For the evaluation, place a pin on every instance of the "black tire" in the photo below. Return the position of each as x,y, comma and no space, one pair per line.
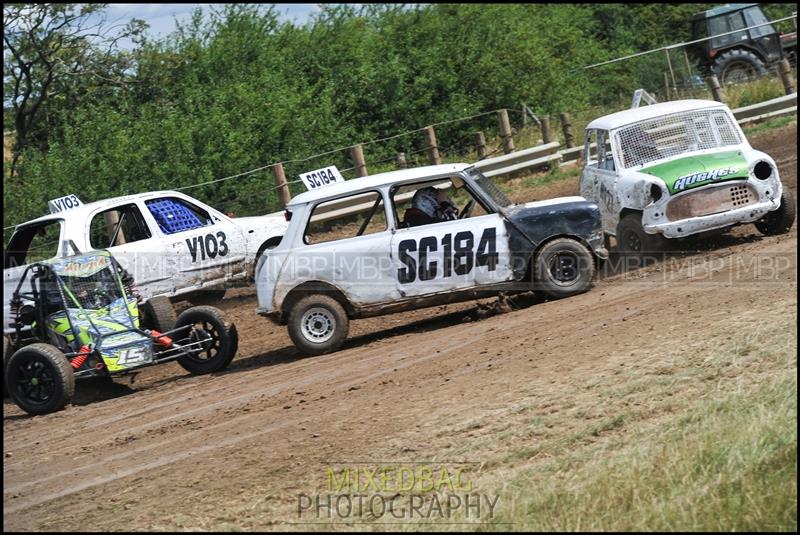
778,221
738,65
158,314
563,267
210,296
39,379
318,324
633,241
7,351
219,338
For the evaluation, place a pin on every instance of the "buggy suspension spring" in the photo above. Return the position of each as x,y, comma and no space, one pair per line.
78,361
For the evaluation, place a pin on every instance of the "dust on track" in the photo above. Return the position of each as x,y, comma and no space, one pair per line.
232,450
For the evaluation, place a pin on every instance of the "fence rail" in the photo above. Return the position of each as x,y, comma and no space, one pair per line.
547,155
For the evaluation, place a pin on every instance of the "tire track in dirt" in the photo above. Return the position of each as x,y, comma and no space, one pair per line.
192,445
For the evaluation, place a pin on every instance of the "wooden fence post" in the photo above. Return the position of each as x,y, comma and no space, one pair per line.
432,147
357,152
505,132
672,74
785,71
666,87
480,142
401,160
716,89
547,137
280,181
566,125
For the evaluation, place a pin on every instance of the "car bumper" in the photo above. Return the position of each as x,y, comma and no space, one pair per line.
597,243
694,225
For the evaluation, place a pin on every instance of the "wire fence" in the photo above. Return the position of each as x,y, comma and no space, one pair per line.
457,137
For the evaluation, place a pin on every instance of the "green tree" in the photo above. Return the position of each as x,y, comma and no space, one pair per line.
55,51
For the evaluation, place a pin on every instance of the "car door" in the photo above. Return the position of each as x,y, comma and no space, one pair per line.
349,252
29,243
599,177
201,246
122,230
451,255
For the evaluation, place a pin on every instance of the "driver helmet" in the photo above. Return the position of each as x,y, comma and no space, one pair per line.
426,200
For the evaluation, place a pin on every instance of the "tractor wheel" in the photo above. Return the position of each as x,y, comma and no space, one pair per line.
737,66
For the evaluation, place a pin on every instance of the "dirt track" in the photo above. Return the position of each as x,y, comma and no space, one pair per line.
229,451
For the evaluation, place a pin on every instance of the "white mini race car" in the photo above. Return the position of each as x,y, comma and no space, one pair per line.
172,244
675,169
357,249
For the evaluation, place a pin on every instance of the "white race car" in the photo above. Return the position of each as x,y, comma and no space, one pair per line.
172,244
362,248
676,169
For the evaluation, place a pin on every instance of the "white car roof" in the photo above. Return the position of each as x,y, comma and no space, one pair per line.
356,185
84,210
622,118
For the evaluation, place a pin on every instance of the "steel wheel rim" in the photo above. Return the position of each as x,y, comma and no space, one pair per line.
318,324
564,269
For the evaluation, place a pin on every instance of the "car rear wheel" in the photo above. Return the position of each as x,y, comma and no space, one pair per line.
158,314
778,221
564,267
318,324
39,379
211,341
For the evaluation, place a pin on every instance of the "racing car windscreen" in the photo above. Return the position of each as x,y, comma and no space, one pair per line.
490,188
94,291
672,135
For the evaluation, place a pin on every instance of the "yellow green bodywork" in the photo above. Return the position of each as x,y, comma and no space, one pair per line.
111,329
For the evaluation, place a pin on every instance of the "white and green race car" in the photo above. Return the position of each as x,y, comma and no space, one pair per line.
677,169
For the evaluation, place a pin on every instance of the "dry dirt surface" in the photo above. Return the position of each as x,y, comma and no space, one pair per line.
233,450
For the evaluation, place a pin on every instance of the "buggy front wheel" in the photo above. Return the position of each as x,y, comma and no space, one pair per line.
210,342
39,379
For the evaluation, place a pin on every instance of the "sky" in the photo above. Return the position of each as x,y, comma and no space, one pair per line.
161,17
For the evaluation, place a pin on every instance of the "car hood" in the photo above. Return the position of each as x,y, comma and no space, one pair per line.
700,170
276,220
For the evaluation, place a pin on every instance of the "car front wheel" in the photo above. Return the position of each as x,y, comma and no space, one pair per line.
778,221
563,267
633,241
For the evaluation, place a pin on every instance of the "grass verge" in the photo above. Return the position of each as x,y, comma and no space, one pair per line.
722,456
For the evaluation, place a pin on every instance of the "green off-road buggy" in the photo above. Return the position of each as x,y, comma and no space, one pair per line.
78,317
